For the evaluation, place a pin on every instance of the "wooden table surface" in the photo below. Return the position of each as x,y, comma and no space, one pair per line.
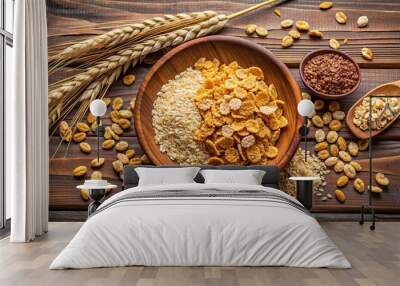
76,19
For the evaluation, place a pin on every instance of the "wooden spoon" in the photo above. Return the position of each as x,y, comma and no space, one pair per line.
393,89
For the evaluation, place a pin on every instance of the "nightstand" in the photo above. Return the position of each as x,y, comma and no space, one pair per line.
304,187
97,191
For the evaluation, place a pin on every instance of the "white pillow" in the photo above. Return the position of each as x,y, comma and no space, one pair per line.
248,177
166,176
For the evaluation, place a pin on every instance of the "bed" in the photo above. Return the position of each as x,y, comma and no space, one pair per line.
198,224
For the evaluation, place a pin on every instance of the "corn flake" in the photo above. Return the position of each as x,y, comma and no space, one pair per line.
257,72
236,115
205,104
215,161
241,73
249,82
239,92
247,108
241,153
254,154
262,98
271,152
272,91
231,155
268,109
238,125
243,132
252,126
283,122
264,132
224,143
230,84
212,148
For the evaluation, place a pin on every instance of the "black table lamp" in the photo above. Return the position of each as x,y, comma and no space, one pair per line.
96,188
98,108
304,184
305,108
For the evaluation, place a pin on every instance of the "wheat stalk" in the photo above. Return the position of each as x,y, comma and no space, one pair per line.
66,86
126,56
104,74
117,37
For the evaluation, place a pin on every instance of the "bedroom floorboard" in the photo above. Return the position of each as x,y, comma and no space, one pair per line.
375,257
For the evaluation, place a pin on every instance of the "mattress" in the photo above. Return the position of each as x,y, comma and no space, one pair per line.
201,225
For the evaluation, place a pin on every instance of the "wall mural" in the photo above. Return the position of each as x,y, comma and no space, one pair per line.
219,103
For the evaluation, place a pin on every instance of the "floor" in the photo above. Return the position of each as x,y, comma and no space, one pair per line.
375,257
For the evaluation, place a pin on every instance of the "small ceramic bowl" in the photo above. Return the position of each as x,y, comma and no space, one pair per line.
313,54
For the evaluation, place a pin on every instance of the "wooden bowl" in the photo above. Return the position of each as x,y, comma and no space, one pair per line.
392,89
226,49
321,52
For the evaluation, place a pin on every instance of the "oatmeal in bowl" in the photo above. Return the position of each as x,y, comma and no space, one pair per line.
218,114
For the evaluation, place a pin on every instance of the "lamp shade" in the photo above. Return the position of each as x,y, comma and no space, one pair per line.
305,107
98,108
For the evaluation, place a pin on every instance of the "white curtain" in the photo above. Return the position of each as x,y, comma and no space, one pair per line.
27,124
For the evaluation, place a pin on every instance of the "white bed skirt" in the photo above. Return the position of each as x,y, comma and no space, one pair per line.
200,232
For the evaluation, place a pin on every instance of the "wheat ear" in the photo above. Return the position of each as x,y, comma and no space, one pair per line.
119,36
129,55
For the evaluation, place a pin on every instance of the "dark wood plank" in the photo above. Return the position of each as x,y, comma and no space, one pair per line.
386,160
77,19
382,34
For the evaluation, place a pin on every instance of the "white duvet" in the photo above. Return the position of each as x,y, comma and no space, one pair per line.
200,231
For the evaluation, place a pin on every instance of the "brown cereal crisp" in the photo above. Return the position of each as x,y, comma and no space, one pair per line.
252,126
215,161
247,108
231,155
254,154
271,152
212,148
224,143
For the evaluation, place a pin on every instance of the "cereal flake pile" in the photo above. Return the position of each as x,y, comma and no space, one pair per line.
242,116
380,116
